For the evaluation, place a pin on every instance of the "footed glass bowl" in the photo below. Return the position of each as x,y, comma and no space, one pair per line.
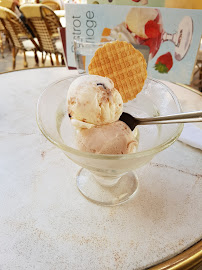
109,179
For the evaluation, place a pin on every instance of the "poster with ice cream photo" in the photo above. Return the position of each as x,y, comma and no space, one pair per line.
171,36
150,3
190,4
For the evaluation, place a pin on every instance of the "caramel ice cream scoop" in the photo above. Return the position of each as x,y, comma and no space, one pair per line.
115,138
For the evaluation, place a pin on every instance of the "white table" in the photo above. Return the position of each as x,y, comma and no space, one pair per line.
45,223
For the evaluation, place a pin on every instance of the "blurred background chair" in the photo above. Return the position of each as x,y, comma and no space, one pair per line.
4,40
44,23
53,4
10,5
18,35
2,31
7,4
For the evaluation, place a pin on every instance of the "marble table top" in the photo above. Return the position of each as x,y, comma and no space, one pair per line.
45,223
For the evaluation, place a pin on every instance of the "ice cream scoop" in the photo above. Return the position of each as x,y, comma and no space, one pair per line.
93,100
114,138
120,32
137,18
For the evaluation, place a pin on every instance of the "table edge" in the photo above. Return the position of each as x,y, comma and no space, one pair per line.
188,259
24,69
180,84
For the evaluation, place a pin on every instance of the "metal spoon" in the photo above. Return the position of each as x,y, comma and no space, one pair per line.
187,117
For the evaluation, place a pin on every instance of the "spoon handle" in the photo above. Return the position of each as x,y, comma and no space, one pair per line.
183,116
171,121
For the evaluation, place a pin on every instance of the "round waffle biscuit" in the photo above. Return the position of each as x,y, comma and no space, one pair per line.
122,63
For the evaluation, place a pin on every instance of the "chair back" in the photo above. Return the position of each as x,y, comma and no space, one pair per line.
54,5
1,26
7,4
14,28
44,24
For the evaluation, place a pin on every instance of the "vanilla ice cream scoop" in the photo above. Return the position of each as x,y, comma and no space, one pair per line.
137,18
121,33
115,138
93,100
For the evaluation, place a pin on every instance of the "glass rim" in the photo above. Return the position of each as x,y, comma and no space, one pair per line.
129,156
78,40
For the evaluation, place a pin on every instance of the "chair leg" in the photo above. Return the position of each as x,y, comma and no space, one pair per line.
62,59
36,58
51,59
200,78
57,60
43,59
25,60
8,42
14,57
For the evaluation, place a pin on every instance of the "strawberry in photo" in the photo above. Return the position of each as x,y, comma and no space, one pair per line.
143,2
152,29
164,63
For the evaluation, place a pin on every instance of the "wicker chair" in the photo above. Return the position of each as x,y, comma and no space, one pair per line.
44,23
18,35
3,39
54,5
2,30
7,4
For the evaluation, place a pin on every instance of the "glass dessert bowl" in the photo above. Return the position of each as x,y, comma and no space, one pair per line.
109,179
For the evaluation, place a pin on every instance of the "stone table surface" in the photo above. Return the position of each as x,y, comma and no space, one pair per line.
45,223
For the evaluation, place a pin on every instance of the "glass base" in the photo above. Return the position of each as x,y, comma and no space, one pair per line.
117,194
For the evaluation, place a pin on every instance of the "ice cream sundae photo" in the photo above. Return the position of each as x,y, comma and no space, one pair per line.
144,26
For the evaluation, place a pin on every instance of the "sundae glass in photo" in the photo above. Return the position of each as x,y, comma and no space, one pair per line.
110,179
84,49
144,26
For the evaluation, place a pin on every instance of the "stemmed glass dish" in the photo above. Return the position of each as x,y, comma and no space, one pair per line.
181,38
109,179
151,32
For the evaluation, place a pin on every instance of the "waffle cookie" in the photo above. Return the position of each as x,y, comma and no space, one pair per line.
122,63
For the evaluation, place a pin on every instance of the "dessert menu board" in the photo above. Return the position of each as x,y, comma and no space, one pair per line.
190,4
172,36
150,3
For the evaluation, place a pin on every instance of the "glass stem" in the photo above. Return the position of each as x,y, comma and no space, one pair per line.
107,181
169,37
